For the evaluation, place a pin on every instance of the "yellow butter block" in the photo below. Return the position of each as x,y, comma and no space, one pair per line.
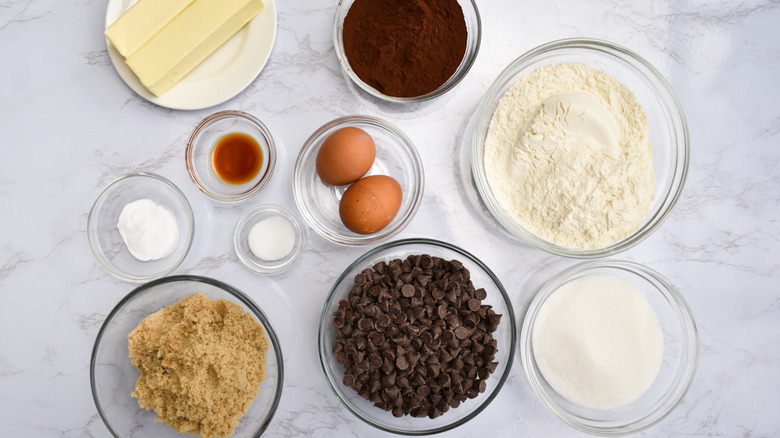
141,22
188,39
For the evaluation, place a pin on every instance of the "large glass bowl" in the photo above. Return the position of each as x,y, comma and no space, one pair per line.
113,376
396,156
678,367
107,244
668,132
473,27
481,276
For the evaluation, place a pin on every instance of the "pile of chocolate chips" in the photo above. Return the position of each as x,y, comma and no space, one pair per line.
414,337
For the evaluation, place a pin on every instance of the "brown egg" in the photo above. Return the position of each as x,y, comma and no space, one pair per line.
345,156
370,204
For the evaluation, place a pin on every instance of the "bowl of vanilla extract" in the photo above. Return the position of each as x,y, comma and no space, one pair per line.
230,156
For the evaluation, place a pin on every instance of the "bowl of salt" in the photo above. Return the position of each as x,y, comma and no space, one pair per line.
269,239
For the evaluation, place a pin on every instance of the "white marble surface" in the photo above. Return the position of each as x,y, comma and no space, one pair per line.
68,126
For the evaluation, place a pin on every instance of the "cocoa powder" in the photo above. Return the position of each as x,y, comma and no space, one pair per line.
404,48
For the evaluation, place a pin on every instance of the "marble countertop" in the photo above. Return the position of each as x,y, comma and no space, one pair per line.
69,126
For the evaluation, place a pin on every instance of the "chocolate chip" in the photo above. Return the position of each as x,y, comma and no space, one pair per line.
366,324
414,337
382,322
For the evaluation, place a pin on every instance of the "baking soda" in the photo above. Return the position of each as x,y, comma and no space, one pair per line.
597,342
149,230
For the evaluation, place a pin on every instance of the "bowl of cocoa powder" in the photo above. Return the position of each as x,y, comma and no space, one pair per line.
404,52
417,337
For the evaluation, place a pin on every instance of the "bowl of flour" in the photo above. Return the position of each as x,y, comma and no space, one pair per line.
580,147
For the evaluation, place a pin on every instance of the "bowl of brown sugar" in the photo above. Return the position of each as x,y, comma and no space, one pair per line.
405,52
168,356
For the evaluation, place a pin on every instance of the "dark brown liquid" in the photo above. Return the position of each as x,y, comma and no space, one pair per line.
237,158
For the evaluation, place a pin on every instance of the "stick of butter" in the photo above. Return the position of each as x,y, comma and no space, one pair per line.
188,39
141,22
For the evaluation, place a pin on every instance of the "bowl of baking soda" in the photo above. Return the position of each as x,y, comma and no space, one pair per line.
610,347
580,147
140,227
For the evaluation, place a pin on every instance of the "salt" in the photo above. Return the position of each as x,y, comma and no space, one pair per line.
597,342
149,230
272,238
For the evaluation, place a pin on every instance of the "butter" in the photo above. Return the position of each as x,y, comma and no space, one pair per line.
188,39
141,22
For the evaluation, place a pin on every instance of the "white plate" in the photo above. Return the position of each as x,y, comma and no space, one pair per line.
225,73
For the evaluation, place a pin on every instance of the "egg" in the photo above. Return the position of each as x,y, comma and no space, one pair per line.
370,204
345,156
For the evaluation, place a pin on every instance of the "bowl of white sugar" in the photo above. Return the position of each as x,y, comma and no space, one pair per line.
580,147
610,347
140,227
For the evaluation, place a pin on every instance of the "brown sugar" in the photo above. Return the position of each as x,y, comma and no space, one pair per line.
201,363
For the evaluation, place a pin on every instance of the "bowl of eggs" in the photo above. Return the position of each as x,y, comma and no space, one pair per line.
358,180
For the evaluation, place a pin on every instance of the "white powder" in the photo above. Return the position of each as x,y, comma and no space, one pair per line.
567,155
272,238
598,342
148,230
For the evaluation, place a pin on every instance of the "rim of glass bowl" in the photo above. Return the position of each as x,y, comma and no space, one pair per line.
274,267
245,300
93,211
264,131
674,394
650,75
323,344
358,239
473,43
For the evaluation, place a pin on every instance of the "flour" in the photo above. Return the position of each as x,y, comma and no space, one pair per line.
567,155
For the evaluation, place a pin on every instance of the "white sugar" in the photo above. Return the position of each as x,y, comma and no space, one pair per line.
598,342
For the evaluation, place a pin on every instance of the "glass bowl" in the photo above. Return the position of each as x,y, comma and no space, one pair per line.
241,239
113,376
473,27
200,154
318,202
107,244
680,353
668,132
505,335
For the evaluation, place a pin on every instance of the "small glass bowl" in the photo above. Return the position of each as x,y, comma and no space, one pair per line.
113,376
668,131
505,335
680,360
473,27
318,202
200,150
241,239
107,244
